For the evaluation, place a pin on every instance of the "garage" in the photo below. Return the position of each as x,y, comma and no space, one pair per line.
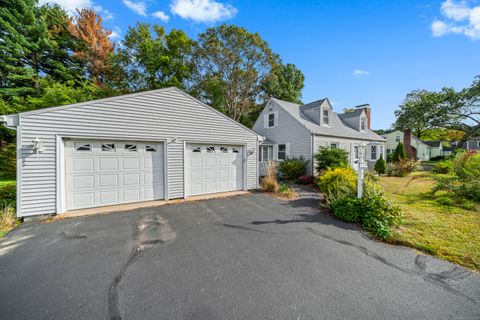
101,173
213,168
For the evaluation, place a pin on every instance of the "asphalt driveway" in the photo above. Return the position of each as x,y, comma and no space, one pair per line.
245,257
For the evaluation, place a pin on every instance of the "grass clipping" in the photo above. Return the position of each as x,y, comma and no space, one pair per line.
270,184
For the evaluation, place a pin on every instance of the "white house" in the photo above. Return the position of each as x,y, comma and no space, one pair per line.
294,130
160,144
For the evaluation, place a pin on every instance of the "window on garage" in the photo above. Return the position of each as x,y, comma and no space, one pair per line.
108,147
131,147
79,146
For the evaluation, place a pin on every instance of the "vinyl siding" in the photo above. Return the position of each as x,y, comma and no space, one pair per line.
288,130
155,116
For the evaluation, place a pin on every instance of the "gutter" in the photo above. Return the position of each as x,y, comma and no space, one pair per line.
10,122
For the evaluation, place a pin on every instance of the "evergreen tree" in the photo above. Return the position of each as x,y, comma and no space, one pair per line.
399,153
380,165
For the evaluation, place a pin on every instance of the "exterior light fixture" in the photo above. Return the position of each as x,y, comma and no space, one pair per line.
38,146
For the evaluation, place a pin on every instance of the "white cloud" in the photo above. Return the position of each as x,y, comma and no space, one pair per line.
106,15
203,10
138,7
460,18
360,73
161,15
116,33
69,5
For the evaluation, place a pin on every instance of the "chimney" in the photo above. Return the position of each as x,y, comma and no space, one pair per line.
368,111
407,143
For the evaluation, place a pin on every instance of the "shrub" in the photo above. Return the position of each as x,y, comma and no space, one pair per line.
8,219
437,158
305,180
399,154
402,168
348,209
7,161
292,168
8,193
269,181
287,192
328,157
337,183
442,167
380,165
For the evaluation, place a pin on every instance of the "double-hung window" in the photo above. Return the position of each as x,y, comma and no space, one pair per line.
282,151
363,124
271,120
265,154
373,152
326,117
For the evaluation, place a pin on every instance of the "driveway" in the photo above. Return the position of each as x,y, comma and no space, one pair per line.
245,257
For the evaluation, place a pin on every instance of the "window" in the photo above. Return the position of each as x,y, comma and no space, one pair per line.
380,150
210,149
397,138
389,151
333,145
282,151
131,147
478,144
197,149
363,124
271,120
83,147
373,152
108,147
265,154
150,149
223,149
326,117
355,149
235,150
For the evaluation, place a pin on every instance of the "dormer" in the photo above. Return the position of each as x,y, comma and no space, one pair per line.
319,112
357,118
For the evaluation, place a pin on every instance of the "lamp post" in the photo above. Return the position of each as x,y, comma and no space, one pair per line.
361,156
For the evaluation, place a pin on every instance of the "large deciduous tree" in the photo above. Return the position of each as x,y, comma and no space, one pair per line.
232,68
149,58
285,82
97,47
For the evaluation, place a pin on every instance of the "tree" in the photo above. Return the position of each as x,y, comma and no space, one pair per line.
380,165
232,68
399,153
416,111
284,82
328,157
150,60
97,48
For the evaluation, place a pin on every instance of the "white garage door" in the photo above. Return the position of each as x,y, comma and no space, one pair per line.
101,173
213,168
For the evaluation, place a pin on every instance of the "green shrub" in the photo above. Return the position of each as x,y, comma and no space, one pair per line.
445,200
7,161
348,209
337,183
292,168
402,168
442,167
399,154
328,157
8,193
380,165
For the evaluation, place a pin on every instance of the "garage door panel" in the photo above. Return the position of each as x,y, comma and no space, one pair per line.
112,174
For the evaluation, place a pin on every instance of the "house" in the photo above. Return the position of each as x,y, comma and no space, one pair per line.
473,144
160,144
294,130
419,149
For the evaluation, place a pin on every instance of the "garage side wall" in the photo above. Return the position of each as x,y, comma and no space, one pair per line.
164,115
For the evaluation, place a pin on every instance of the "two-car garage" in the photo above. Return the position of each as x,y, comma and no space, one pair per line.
160,144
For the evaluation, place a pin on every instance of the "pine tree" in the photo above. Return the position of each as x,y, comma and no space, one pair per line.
380,165
399,153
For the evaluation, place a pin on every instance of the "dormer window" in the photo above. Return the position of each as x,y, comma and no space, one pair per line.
363,124
271,120
325,117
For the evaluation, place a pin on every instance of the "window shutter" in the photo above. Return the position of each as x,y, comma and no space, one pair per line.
275,152
276,118
287,150
265,120
368,151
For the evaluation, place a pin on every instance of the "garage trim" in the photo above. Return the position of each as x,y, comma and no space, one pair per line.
244,159
61,201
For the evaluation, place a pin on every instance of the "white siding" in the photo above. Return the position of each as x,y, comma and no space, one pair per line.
287,131
156,115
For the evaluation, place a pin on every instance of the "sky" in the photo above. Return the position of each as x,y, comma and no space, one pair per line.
352,52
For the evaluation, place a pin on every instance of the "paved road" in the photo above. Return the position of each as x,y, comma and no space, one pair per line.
246,257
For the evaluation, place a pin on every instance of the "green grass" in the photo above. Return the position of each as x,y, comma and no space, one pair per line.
447,231
6,181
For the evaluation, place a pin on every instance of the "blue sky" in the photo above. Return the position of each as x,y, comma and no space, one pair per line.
352,52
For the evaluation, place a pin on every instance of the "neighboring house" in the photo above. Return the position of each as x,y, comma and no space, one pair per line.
472,144
294,130
436,148
160,144
418,148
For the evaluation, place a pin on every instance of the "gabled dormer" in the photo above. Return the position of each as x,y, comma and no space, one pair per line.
358,118
319,112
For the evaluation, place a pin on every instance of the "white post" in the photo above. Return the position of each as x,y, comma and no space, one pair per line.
361,154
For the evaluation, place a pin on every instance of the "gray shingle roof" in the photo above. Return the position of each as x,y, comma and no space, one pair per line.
337,128
433,143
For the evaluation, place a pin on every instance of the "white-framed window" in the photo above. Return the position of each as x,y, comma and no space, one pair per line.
334,145
108,147
197,149
325,117
380,151
389,151
150,149
80,146
373,152
131,147
363,124
223,149
282,152
265,154
397,138
235,150
355,152
271,120
210,149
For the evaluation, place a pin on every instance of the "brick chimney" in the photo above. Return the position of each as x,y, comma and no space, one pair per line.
407,143
368,111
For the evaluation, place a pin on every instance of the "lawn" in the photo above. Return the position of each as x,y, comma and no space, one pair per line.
5,181
449,232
